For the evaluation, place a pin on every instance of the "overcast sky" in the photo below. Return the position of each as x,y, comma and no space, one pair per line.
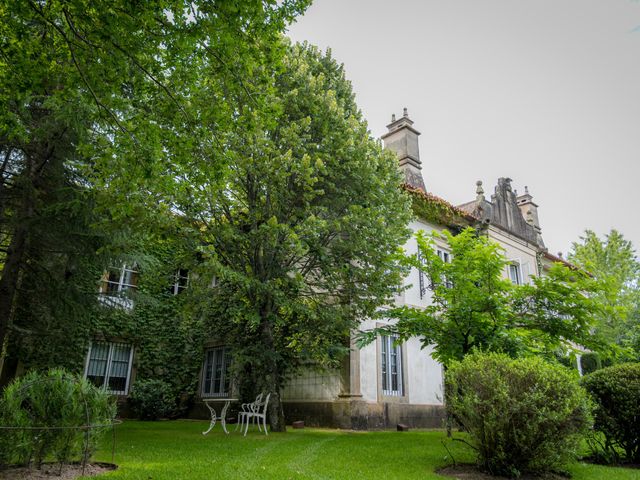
546,92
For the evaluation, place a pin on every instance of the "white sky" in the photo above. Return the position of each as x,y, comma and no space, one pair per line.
546,92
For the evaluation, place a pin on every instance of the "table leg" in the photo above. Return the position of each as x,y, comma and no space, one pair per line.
213,418
223,416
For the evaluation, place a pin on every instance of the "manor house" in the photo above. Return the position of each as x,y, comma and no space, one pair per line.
382,384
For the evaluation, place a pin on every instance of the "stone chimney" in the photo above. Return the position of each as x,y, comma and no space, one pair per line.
402,139
530,212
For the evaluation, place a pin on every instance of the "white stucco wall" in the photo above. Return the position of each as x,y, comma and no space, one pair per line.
369,368
517,250
422,375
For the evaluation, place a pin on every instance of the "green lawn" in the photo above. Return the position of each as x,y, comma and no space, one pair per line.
177,450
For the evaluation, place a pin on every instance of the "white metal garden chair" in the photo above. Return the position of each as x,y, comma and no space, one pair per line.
246,409
259,413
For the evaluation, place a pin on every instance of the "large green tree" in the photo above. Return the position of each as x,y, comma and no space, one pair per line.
112,93
303,237
613,264
474,307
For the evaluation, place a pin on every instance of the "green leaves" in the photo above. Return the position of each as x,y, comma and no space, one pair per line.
304,228
613,265
473,307
523,415
616,391
133,101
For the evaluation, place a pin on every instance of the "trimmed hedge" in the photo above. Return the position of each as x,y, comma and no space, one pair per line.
152,399
616,391
523,415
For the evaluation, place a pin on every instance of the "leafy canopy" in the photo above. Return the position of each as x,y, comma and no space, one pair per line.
613,263
102,104
473,307
304,234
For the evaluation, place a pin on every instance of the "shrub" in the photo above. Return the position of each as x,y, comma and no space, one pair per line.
152,399
523,415
590,362
47,406
616,391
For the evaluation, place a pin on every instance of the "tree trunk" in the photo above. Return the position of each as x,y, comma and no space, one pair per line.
272,378
276,413
9,286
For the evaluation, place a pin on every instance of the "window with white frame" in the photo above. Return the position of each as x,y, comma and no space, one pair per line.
515,273
445,256
180,281
391,366
109,366
215,374
422,284
117,280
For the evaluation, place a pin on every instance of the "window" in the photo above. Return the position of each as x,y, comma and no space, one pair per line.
180,281
215,376
444,255
446,258
421,280
391,366
515,275
109,366
118,280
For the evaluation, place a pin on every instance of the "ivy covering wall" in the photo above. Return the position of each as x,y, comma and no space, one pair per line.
434,209
167,335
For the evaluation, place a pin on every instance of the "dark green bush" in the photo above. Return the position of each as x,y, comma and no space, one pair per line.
523,415
590,362
616,391
152,399
46,407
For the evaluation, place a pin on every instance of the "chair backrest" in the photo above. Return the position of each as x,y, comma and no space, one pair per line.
266,402
255,406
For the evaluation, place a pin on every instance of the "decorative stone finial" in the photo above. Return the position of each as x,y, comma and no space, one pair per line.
526,190
479,192
405,113
393,117
504,184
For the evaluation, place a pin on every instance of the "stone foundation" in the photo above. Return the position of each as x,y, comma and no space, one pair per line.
360,415
348,414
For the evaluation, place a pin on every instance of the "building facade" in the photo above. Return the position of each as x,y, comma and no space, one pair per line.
382,384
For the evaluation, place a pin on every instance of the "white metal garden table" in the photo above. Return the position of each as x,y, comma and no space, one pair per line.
223,413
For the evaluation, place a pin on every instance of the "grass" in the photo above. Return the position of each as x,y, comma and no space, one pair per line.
177,450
